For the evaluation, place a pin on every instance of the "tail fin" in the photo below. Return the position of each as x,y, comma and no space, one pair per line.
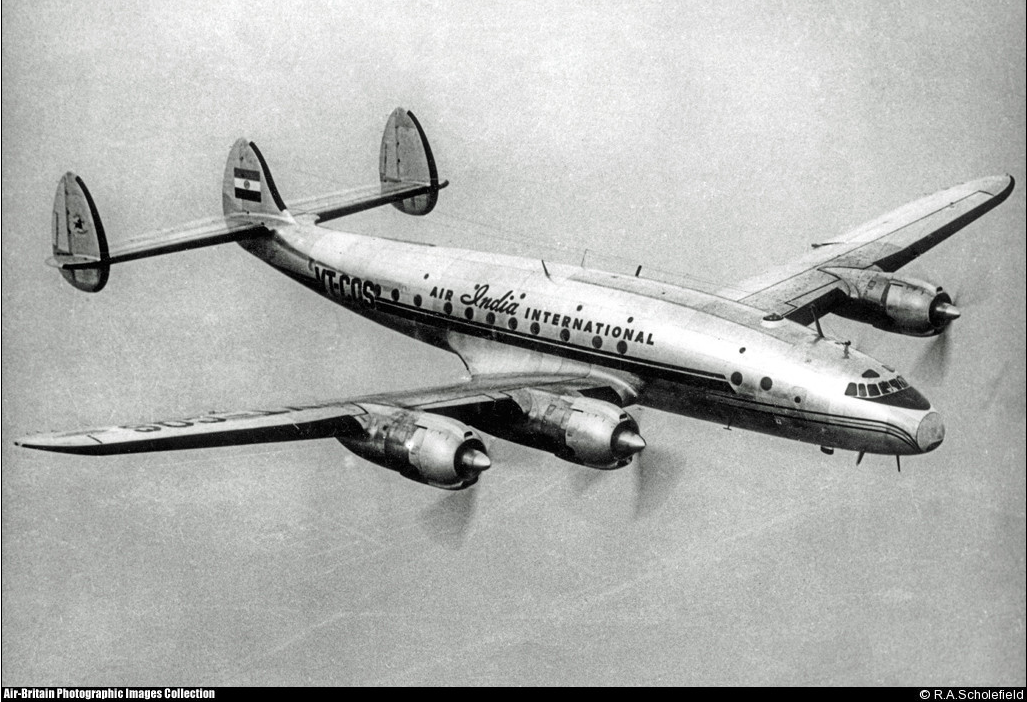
248,187
78,236
406,158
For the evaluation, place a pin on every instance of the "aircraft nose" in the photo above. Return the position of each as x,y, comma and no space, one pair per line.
931,432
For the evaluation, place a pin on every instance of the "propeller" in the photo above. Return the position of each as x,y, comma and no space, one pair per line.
965,297
933,363
653,474
655,477
449,520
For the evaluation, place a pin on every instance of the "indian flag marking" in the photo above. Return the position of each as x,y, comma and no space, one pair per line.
247,184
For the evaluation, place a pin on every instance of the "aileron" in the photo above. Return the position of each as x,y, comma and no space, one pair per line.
204,431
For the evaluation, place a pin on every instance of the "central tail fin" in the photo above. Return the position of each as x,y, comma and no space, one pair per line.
248,187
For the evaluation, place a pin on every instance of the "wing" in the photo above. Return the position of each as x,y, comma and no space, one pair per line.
481,400
887,243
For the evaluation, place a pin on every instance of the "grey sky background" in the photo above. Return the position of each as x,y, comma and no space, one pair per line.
707,142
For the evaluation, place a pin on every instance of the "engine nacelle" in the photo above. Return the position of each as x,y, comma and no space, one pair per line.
901,305
581,430
427,448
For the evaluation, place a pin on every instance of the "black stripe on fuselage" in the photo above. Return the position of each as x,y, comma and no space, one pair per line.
724,393
839,421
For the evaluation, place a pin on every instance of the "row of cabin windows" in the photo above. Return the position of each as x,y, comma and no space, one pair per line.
490,318
876,389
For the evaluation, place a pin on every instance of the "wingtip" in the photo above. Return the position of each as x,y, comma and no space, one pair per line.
998,186
1010,185
65,442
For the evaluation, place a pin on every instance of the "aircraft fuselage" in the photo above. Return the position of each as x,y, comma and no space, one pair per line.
688,352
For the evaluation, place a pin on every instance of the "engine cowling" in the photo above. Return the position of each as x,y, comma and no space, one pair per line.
426,448
581,430
902,305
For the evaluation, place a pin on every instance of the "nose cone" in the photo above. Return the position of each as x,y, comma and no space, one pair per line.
628,443
475,461
931,432
947,312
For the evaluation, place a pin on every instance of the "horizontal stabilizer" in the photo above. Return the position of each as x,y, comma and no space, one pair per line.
409,179
195,235
346,202
71,262
84,257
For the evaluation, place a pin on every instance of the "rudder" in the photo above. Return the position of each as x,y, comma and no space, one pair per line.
406,157
78,236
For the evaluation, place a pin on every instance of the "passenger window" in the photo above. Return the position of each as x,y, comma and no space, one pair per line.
851,390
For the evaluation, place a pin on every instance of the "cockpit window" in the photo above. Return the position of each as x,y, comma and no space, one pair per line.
871,373
896,392
907,398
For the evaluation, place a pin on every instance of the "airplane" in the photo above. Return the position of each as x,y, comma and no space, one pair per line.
554,353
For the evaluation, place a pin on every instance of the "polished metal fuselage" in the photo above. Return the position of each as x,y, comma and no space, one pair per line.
680,350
